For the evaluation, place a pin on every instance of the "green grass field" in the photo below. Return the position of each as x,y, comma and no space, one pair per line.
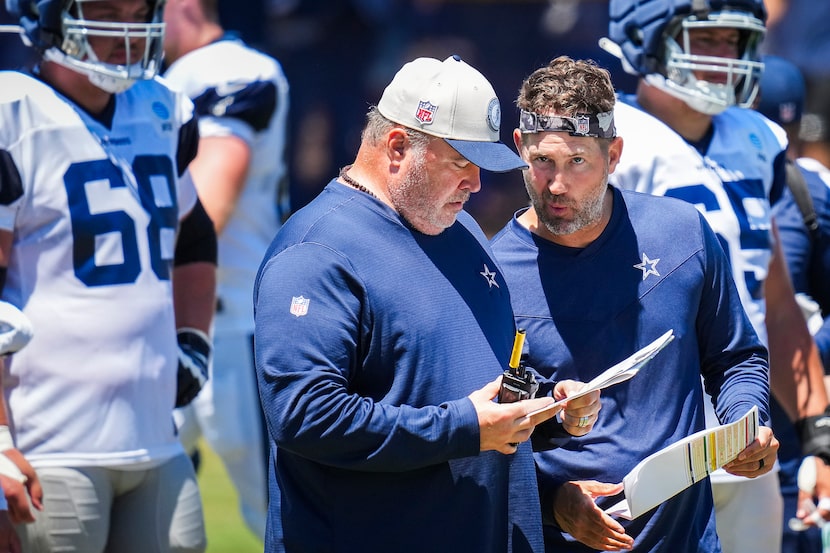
226,532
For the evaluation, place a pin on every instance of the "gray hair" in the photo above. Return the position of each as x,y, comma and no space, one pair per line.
377,126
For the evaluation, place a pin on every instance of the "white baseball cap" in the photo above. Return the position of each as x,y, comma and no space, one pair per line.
453,101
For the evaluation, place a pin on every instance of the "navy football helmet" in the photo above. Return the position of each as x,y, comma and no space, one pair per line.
653,41
58,29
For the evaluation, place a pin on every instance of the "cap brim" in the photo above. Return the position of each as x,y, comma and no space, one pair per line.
491,156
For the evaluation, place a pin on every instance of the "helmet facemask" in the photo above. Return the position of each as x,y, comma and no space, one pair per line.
741,74
143,42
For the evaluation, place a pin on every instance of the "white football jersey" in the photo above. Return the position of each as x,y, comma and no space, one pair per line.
94,237
238,91
730,185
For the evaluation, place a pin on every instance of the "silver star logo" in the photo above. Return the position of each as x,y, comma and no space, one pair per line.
648,266
490,276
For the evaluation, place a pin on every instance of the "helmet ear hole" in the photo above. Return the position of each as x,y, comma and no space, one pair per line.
634,34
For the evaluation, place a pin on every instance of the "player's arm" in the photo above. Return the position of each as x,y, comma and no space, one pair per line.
223,158
14,490
805,401
219,172
796,371
194,300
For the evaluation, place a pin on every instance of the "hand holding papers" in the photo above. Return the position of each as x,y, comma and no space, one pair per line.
620,372
671,470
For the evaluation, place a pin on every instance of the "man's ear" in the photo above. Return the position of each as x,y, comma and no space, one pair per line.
614,153
517,140
396,143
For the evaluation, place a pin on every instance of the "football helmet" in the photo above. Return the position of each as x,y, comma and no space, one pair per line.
59,30
653,41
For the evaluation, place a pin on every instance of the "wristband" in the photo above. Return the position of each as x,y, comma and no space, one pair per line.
814,433
6,440
194,338
10,470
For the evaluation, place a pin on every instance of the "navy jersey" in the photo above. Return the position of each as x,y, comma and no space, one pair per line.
656,266
369,338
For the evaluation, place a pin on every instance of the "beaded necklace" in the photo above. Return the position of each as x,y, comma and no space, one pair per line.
353,183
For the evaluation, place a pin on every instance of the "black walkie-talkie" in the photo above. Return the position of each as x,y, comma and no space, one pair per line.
517,383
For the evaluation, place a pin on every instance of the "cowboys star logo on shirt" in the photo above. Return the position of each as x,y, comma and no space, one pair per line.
648,266
489,276
299,306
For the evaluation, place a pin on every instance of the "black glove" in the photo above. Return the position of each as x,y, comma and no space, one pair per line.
814,433
194,357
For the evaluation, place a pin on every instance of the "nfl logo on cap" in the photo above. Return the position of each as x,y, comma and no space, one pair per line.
453,101
425,112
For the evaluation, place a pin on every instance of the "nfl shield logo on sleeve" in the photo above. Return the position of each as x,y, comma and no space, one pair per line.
299,306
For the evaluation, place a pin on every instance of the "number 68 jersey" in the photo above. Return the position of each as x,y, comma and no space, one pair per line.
94,211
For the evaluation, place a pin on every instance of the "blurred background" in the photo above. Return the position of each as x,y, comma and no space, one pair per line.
339,54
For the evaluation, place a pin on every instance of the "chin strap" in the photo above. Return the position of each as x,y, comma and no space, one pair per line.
107,83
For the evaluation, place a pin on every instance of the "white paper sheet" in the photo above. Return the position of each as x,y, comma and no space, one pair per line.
671,470
620,372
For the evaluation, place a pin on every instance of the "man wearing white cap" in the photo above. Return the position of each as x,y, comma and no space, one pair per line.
382,328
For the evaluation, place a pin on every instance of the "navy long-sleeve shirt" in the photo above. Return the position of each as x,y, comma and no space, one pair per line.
656,266
369,338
